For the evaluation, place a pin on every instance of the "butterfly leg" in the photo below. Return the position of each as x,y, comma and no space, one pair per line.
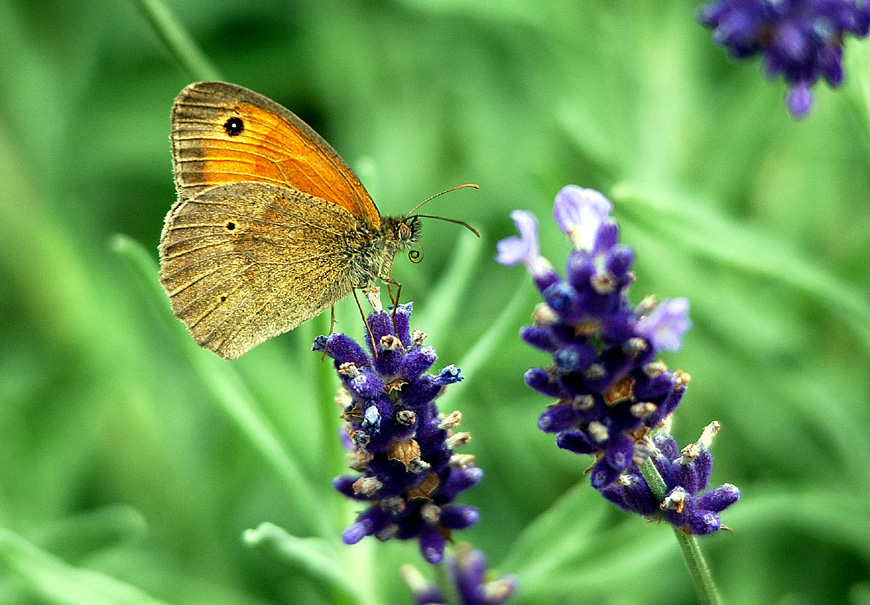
331,326
368,328
392,282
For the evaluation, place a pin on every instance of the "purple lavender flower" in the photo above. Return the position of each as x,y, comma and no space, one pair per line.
611,391
800,40
685,473
401,445
609,386
471,583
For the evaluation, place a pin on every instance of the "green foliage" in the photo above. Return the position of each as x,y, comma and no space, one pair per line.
135,465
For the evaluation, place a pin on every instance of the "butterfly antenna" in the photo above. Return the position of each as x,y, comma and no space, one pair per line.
452,220
432,197
441,218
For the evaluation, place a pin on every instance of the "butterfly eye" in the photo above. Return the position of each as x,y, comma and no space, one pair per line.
403,231
234,126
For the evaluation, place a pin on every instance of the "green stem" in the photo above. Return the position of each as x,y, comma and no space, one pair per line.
177,40
482,350
445,582
313,556
232,395
50,579
698,569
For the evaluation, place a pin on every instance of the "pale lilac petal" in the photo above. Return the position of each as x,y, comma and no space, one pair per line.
511,250
523,249
665,325
580,212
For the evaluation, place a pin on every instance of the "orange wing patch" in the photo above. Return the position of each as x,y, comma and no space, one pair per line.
222,133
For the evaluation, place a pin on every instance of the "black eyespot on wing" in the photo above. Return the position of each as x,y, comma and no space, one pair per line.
230,225
234,126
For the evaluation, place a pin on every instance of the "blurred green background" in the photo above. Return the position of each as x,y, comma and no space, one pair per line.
131,462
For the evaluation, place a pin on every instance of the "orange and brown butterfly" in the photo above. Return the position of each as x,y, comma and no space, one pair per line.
271,226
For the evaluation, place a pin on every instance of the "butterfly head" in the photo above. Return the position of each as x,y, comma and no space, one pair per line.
407,230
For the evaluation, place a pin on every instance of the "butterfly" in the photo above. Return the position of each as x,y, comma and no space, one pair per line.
271,225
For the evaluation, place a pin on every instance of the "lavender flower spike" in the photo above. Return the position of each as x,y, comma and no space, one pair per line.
401,446
613,397
686,472
470,578
800,40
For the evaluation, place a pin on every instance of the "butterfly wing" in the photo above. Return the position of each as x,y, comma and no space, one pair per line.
223,133
243,262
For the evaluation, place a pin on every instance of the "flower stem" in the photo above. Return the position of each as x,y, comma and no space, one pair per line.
654,479
443,581
314,557
698,569
233,397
